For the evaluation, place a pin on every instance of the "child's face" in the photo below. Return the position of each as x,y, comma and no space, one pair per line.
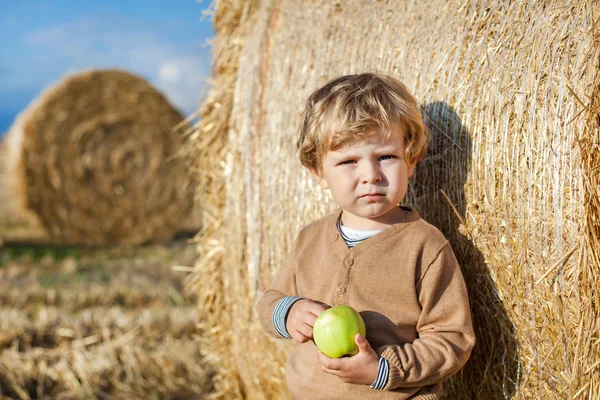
368,180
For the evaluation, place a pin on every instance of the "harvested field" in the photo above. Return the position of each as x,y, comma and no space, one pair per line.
104,323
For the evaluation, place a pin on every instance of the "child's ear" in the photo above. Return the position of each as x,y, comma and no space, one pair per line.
322,181
411,169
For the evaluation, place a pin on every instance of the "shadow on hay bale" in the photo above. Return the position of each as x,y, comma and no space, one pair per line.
492,370
94,159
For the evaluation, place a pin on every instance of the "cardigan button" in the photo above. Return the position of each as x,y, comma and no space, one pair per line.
349,261
341,290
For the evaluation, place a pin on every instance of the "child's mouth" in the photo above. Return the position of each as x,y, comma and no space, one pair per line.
371,196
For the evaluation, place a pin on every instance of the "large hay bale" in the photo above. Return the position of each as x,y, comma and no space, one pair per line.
94,159
208,150
511,95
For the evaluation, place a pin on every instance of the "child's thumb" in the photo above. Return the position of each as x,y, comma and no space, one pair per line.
361,342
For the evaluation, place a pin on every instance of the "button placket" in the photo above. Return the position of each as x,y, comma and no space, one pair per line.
342,287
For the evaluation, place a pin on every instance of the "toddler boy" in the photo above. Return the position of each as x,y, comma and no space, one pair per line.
361,137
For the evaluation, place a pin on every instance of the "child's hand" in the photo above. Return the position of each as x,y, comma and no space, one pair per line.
301,319
361,368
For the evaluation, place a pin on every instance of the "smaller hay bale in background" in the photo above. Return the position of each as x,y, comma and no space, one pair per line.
94,158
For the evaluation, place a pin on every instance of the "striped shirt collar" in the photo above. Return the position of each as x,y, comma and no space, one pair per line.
351,236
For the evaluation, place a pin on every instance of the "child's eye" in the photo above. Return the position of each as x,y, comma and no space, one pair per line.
346,162
387,157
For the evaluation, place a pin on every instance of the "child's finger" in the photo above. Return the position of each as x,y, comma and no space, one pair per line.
331,371
325,305
323,359
310,319
362,343
306,330
299,337
317,308
330,363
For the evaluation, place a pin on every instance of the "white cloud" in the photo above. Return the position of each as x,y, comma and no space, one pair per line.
168,72
47,37
182,78
179,78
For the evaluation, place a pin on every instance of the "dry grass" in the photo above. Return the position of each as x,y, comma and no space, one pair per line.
107,323
511,95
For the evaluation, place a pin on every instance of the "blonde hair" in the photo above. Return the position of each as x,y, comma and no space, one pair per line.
353,108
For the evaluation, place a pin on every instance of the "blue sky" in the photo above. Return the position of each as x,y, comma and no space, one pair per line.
166,42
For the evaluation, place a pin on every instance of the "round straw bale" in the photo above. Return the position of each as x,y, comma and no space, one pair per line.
94,159
208,148
510,94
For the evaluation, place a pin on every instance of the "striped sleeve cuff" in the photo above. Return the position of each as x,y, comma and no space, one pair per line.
280,314
382,375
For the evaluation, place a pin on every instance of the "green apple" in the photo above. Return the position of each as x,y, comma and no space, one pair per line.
335,329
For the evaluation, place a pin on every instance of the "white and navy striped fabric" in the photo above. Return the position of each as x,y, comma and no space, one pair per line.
280,314
382,375
352,237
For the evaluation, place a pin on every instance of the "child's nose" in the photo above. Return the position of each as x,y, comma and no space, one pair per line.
371,173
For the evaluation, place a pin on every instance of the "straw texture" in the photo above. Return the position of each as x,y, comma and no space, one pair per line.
94,158
207,150
510,93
